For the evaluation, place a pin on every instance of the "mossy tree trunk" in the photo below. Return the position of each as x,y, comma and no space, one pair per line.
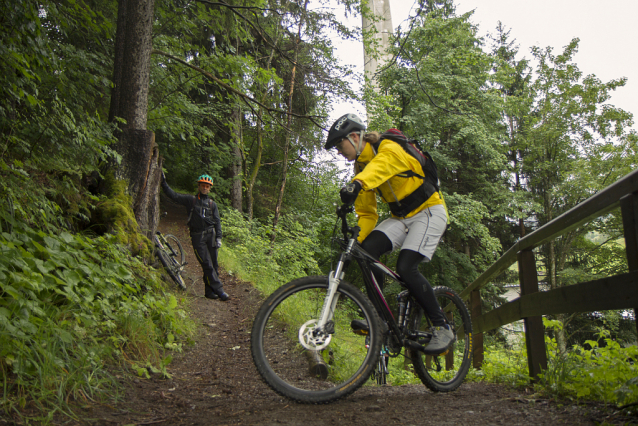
140,165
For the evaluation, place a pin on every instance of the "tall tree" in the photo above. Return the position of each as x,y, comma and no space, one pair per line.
140,165
438,91
512,76
570,126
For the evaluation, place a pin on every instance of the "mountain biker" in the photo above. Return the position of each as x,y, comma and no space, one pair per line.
416,231
205,230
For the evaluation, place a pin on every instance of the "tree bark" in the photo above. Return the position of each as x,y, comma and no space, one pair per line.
284,173
253,176
141,164
133,105
120,37
235,168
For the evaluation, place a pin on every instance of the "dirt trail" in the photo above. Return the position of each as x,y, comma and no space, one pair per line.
214,382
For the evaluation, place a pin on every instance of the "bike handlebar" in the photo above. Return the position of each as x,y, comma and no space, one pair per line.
347,231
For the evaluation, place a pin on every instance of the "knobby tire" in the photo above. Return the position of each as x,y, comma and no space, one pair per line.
170,262
446,372
343,365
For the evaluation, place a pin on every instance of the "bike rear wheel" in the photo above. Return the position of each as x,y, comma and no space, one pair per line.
445,372
303,363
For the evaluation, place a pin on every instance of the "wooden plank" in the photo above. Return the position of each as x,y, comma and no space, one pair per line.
534,330
629,209
476,310
617,292
504,314
595,206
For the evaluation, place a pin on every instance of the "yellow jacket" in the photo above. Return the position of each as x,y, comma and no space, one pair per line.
379,172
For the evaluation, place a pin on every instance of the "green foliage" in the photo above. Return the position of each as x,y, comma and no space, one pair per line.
249,252
70,306
600,370
605,372
113,214
503,365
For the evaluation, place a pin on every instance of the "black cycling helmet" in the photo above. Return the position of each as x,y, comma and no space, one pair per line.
341,128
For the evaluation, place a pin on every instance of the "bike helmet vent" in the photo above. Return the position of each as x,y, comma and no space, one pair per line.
205,179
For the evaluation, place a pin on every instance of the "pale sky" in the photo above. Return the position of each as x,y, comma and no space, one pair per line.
607,30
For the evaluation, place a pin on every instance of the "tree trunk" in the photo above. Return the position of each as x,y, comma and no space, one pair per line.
133,102
561,340
141,164
253,176
260,148
120,37
284,173
235,168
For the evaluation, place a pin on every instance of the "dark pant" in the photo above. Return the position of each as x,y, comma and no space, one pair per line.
376,244
206,252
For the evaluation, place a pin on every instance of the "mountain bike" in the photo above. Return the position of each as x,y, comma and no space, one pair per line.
171,255
319,338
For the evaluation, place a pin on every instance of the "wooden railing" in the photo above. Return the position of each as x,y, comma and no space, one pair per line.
615,292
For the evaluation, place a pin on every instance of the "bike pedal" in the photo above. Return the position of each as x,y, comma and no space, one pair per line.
361,332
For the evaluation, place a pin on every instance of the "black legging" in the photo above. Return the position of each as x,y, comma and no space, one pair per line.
376,244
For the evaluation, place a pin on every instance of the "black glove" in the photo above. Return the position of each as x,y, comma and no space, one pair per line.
350,192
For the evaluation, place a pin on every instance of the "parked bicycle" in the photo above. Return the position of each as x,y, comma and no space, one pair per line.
171,254
317,339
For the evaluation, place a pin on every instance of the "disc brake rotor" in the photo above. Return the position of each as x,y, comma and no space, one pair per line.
313,339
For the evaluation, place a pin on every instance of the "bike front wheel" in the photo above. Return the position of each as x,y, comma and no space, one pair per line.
307,364
175,249
445,372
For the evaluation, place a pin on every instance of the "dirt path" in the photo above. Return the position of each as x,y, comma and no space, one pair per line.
214,382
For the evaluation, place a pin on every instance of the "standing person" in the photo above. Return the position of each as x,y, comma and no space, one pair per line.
206,232
419,214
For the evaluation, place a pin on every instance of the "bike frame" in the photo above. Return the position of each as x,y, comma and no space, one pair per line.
367,264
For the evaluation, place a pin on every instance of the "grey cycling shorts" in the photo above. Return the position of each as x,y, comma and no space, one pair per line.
421,232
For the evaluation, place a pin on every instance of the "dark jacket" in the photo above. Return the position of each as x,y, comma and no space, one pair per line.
202,210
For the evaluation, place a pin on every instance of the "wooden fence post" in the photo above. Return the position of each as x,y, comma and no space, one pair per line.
629,209
534,332
477,339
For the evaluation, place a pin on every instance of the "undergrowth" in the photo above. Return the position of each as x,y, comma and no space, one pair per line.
72,307
605,371
249,253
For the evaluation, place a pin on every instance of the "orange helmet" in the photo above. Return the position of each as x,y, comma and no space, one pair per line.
205,179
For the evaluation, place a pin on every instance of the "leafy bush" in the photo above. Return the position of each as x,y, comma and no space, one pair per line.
70,306
249,251
607,372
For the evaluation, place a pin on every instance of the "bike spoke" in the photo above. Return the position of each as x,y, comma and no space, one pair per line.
302,361
445,372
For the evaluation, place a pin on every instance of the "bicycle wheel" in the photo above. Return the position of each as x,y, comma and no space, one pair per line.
309,365
381,373
175,249
445,372
171,266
